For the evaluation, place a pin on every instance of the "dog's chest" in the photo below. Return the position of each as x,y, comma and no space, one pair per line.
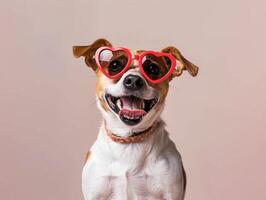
149,170
119,181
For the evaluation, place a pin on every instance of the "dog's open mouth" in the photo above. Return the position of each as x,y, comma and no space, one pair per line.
130,109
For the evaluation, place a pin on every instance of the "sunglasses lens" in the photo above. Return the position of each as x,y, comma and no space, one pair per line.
113,62
156,67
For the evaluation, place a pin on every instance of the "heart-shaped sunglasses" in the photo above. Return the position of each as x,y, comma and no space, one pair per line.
155,66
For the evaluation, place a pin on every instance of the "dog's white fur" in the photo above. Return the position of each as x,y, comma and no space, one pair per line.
148,170
139,171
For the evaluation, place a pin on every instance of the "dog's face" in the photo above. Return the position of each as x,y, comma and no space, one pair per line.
131,103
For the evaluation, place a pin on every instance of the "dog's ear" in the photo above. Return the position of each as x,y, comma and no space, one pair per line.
182,63
89,51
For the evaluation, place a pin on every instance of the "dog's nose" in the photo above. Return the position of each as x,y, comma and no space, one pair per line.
133,82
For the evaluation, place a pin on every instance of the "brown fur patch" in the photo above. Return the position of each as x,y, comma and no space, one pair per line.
88,154
162,88
88,51
184,63
99,90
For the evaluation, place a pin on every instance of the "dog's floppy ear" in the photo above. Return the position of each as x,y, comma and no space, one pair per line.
89,51
182,63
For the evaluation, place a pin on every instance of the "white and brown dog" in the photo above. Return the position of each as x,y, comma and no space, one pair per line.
133,156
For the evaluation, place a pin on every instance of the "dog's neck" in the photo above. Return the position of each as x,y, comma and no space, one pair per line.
136,137
118,128
106,147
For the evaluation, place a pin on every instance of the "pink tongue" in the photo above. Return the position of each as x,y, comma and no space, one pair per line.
132,107
131,113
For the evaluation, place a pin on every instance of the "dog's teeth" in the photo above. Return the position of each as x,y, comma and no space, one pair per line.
153,102
118,103
109,99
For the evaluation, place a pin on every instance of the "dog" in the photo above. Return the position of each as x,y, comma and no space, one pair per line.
133,157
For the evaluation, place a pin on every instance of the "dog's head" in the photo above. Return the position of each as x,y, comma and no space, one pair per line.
130,90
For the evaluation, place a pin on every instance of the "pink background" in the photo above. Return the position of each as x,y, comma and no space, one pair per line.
48,116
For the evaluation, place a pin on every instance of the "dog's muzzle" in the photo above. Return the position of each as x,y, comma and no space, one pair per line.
130,109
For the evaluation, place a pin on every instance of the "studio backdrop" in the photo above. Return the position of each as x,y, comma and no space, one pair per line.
48,114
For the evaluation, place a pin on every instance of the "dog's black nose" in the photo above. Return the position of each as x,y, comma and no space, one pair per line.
133,82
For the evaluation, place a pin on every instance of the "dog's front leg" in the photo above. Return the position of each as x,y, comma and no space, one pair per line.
174,196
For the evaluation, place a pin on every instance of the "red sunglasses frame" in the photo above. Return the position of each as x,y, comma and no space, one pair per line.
139,59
